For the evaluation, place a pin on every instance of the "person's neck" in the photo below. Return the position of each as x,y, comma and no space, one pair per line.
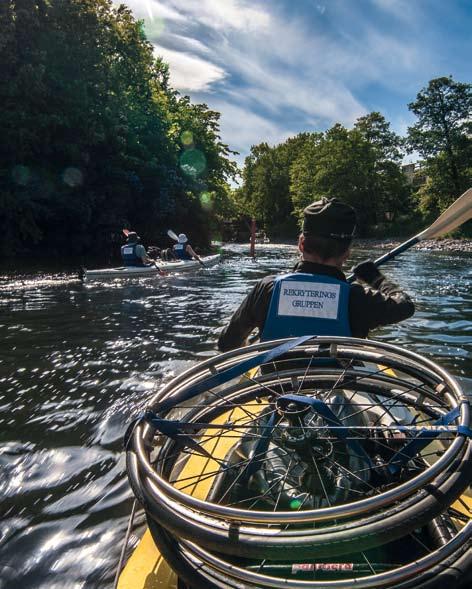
334,262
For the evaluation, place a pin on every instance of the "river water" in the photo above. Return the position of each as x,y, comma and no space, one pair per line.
78,362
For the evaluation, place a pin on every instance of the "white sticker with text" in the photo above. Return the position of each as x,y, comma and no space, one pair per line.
309,299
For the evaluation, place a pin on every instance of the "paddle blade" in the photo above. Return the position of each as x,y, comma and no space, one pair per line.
126,232
458,213
172,235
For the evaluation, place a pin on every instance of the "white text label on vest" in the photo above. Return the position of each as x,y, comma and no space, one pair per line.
309,299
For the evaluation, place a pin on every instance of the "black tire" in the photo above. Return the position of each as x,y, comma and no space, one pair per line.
364,533
454,572
170,550
338,541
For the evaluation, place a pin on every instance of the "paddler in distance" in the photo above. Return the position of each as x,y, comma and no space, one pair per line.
184,251
133,253
315,298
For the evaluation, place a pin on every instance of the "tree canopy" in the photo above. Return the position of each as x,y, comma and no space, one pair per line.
360,166
95,139
363,166
443,138
93,136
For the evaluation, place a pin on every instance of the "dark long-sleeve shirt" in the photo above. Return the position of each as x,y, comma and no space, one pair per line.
369,307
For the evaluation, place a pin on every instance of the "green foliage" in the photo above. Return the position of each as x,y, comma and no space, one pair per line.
94,139
362,166
92,131
265,194
359,166
443,137
386,144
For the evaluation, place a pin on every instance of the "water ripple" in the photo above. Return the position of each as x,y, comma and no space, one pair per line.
79,362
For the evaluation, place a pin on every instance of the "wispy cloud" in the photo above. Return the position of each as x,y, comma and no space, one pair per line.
152,9
247,128
225,15
275,68
188,72
404,10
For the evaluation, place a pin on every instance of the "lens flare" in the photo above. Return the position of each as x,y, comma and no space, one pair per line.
206,200
186,138
21,175
192,162
153,25
73,177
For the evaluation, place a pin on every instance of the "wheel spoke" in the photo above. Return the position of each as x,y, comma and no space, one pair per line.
266,459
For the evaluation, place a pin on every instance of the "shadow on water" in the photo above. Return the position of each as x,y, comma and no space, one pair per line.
78,362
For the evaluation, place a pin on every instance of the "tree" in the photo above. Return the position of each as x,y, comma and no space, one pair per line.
388,182
22,66
353,166
92,131
376,131
443,137
359,166
266,184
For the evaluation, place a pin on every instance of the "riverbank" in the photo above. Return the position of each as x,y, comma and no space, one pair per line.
446,244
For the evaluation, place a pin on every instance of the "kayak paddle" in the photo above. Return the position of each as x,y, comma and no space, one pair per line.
458,213
161,272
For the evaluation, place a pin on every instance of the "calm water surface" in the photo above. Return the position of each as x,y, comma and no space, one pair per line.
77,363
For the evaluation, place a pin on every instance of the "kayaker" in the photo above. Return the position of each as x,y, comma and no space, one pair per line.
133,253
316,297
184,251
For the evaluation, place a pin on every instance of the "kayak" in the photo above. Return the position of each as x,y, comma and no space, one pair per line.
345,463
148,271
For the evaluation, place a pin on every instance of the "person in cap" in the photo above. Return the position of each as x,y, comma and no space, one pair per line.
133,253
184,251
315,298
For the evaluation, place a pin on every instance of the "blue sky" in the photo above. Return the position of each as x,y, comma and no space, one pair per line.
274,68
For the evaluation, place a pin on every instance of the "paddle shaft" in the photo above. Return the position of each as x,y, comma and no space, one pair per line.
458,213
391,254
161,272
397,250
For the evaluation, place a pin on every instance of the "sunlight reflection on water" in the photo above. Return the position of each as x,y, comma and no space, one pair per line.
79,362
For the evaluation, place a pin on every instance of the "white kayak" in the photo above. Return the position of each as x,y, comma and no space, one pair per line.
148,271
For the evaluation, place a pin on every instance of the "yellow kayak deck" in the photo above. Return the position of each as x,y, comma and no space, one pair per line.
146,568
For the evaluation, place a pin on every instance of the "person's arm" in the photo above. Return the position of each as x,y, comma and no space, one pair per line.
376,300
250,314
141,252
189,249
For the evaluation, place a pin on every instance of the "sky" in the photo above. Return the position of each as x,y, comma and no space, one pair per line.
274,68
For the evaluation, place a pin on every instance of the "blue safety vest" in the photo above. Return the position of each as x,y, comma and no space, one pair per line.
128,254
307,304
181,251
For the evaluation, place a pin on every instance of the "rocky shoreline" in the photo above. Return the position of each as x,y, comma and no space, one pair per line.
445,245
